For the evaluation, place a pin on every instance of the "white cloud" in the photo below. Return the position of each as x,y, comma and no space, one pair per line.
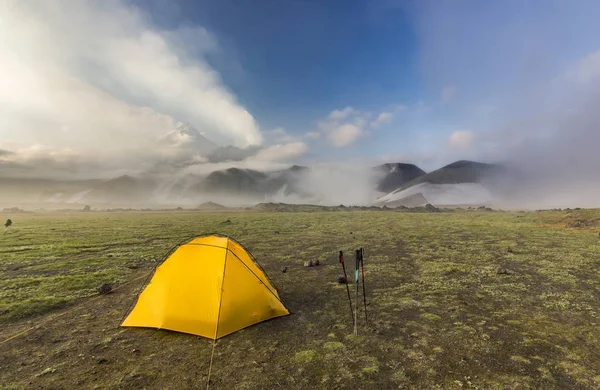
280,136
338,115
461,139
280,131
587,69
313,135
281,152
448,93
345,135
98,76
383,119
343,127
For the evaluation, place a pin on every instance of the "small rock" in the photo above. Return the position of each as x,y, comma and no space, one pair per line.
342,279
284,269
105,288
505,271
135,350
276,232
509,250
102,361
308,263
316,262
431,208
110,255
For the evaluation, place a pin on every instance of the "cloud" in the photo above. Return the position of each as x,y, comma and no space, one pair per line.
383,118
100,79
280,136
281,152
344,127
338,115
313,135
345,134
587,69
461,139
448,93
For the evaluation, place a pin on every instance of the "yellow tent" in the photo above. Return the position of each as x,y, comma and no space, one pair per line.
211,286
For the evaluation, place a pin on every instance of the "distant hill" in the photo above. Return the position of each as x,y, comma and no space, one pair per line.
211,206
124,188
395,175
462,182
462,171
249,182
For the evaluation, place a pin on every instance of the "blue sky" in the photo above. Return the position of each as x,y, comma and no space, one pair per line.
422,81
293,62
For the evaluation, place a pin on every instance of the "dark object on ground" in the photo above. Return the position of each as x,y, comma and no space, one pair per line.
432,208
276,232
7,223
102,361
509,250
316,262
505,271
308,263
342,279
284,269
110,255
226,222
87,208
105,288
578,224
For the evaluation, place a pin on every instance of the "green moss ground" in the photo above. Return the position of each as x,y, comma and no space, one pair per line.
441,314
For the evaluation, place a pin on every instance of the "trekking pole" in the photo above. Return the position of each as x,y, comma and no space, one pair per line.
362,268
356,281
346,281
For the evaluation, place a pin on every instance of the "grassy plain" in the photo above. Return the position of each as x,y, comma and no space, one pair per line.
450,305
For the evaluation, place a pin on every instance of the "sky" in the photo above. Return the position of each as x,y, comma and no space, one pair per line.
89,87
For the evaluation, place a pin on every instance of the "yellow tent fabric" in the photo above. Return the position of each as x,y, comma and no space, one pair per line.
211,287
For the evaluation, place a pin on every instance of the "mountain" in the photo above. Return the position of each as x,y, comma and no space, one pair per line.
188,139
123,190
394,175
231,153
462,171
460,183
249,182
234,181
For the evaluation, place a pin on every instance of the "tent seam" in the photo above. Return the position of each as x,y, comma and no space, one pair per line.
221,295
256,276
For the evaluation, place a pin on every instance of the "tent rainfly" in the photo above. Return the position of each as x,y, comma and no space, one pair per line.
210,286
